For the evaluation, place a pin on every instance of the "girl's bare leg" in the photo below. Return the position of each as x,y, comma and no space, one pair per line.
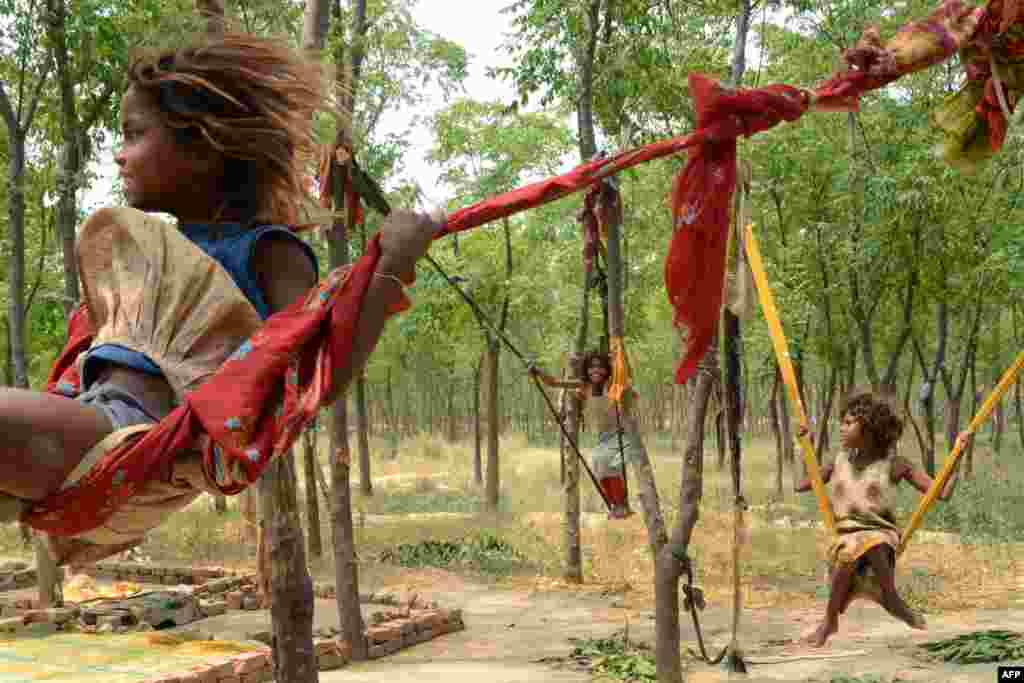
838,600
43,437
891,600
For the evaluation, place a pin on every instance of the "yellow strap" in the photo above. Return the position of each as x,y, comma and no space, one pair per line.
1009,377
620,370
771,315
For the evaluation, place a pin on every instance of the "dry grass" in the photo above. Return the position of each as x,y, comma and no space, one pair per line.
427,493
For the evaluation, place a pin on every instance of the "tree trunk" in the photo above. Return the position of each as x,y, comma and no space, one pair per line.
70,160
346,566
573,570
16,262
453,431
316,547
773,411
669,565
291,588
363,428
955,394
969,455
478,469
999,415
1020,413
395,424
491,492
821,442
249,505
585,69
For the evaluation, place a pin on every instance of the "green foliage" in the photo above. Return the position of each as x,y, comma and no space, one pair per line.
616,657
994,645
483,552
984,509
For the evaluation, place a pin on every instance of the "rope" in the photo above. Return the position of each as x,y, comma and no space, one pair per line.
1008,378
730,383
694,599
771,315
782,354
518,354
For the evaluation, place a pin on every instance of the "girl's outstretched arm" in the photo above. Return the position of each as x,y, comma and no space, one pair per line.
805,483
920,480
826,471
405,238
552,381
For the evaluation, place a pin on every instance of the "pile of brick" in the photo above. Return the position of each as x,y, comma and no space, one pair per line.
398,631
158,574
394,633
218,590
221,589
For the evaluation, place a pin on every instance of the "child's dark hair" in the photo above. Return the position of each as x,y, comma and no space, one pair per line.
252,99
881,424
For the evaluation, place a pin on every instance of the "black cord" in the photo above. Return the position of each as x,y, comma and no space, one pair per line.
501,335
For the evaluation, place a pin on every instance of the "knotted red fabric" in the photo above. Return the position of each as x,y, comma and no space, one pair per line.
701,197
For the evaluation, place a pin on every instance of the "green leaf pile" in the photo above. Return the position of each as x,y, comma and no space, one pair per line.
615,657
993,645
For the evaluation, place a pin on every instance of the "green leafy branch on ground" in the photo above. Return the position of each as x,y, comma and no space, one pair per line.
994,645
616,657
482,551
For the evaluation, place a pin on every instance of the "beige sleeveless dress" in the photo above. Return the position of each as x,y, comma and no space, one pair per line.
148,288
862,503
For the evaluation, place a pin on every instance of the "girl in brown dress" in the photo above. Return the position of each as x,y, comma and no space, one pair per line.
864,478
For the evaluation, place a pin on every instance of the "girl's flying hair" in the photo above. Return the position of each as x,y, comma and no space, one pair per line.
252,99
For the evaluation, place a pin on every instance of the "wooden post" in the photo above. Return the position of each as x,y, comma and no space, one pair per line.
346,564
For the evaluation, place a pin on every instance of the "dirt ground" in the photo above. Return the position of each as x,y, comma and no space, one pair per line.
508,631
511,629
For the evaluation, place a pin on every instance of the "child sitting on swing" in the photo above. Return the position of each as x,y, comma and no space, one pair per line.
218,135
615,427
864,477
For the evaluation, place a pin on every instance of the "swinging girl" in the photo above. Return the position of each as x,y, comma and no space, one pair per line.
218,135
863,479
615,427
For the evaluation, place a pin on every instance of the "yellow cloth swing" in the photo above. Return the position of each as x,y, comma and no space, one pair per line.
864,586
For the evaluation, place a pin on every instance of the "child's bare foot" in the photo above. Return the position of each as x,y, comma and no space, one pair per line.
917,622
902,611
822,633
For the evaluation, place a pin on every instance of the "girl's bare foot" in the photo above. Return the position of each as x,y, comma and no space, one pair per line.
895,605
917,622
822,633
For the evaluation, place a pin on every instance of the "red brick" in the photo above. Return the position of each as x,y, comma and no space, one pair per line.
204,673
250,662
383,633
